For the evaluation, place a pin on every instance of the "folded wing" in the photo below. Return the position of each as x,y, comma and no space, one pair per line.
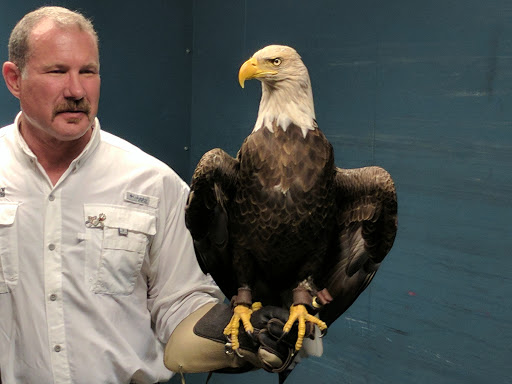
206,217
367,220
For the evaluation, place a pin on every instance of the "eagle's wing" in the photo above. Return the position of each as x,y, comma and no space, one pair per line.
367,219
211,190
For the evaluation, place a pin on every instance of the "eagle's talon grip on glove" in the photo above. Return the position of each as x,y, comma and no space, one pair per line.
268,347
241,313
273,340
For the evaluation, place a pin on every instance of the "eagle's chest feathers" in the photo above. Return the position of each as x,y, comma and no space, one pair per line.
285,161
285,190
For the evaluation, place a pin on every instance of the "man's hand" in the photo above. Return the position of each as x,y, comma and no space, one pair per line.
276,349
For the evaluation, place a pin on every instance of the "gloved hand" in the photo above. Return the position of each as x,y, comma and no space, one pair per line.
276,350
268,347
198,344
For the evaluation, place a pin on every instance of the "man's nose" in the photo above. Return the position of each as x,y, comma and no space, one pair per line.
74,88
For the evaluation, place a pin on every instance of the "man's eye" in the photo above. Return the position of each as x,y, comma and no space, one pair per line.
89,71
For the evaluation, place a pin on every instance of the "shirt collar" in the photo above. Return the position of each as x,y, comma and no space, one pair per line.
78,161
20,140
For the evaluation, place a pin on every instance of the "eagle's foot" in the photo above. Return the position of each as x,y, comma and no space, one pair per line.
300,313
242,311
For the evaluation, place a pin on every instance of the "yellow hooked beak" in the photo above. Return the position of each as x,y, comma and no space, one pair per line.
251,70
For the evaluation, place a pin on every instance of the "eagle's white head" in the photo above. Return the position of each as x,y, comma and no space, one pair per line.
286,88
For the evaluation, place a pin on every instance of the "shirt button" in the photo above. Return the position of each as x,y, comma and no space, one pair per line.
51,247
57,348
51,197
53,297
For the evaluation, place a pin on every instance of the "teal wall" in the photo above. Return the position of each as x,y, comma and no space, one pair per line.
422,88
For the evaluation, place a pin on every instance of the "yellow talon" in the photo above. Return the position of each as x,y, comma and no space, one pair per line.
300,313
240,313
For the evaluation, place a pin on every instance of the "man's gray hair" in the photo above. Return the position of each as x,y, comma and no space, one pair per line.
19,49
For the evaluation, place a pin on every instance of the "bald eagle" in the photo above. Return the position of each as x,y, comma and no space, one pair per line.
280,224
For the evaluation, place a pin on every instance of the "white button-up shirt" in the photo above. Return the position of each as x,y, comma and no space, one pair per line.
96,271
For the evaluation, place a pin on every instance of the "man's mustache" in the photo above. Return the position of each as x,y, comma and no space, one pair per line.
81,105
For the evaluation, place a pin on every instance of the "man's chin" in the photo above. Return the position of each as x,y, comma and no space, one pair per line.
73,130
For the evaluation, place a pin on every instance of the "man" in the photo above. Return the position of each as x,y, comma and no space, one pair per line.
97,269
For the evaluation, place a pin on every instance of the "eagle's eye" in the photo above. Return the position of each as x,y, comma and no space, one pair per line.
276,62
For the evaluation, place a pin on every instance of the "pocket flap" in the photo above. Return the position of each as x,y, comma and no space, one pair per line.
122,217
7,213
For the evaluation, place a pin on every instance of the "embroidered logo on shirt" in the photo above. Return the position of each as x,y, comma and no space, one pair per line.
2,192
138,199
95,221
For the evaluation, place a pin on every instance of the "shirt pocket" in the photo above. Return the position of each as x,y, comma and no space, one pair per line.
8,247
117,239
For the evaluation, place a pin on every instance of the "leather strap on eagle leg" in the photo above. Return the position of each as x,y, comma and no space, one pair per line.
244,297
302,296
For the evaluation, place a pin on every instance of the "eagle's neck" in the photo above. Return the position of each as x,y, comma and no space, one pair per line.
285,103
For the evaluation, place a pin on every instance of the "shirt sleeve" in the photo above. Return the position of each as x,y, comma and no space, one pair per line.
176,284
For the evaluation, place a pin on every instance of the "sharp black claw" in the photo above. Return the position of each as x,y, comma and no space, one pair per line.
283,335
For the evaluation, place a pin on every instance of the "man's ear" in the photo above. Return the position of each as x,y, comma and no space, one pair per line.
12,77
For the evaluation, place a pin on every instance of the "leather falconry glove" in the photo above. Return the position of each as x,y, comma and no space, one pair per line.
198,344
